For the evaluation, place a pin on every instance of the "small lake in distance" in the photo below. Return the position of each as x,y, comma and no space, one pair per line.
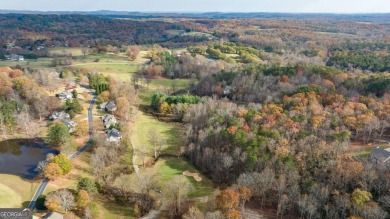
21,157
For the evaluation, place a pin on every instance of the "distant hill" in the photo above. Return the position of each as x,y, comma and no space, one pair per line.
379,18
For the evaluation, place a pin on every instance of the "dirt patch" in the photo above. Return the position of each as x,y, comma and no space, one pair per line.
195,175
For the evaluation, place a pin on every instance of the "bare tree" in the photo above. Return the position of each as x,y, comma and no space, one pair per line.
66,198
178,188
157,141
3,127
85,51
23,119
84,80
147,181
194,213
122,183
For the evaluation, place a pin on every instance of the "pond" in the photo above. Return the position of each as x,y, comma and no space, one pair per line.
21,157
211,59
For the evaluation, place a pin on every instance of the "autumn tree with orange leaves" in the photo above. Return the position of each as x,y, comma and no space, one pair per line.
228,201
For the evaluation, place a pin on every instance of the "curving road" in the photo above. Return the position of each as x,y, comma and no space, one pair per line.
44,183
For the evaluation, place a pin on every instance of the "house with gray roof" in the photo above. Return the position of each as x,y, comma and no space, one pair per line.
108,106
64,95
63,116
71,125
113,135
109,120
381,157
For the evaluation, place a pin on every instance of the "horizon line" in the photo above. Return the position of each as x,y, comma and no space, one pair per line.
189,12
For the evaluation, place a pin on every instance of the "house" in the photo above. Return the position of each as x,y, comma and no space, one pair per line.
111,107
381,157
65,95
63,116
71,125
108,106
227,90
14,57
113,135
103,105
109,120
71,86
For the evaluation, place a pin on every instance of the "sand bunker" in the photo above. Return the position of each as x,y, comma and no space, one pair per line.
195,175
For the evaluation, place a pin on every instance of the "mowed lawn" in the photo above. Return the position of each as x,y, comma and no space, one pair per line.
31,63
169,167
171,132
168,83
16,192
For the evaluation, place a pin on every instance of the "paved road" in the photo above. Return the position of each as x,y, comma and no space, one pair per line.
44,183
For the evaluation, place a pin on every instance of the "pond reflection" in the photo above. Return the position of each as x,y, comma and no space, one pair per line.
20,157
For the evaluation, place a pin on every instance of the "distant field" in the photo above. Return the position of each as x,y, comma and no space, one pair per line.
199,34
167,83
65,51
32,63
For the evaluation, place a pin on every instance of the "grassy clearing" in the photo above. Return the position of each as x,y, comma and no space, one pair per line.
145,96
32,63
16,191
169,167
8,197
65,51
171,132
102,57
119,71
167,83
111,210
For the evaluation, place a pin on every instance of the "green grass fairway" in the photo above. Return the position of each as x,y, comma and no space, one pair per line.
119,71
171,132
15,191
8,197
167,83
111,210
170,167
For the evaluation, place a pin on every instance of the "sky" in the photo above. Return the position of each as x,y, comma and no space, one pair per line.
294,6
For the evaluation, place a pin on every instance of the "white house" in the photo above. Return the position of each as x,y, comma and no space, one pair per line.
63,116
64,95
14,57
